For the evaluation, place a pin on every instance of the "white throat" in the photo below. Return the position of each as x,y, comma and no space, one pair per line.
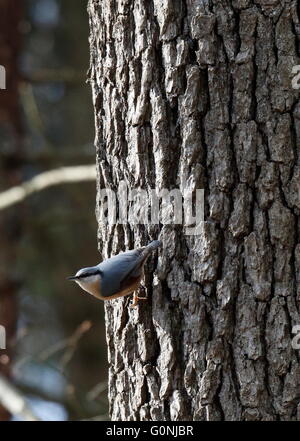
91,284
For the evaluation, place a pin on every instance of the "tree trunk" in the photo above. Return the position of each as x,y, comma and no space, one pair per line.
198,94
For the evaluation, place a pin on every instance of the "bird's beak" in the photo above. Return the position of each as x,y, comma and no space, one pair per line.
72,278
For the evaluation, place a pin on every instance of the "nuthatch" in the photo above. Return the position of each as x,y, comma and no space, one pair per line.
116,277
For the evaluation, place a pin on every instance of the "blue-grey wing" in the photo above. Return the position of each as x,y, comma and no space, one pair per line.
117,268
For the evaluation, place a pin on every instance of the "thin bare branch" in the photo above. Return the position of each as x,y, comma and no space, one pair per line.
47,179
14,401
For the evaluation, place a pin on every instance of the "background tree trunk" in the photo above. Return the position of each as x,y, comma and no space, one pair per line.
11,142
198,94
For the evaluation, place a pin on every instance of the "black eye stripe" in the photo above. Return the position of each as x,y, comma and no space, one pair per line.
90,274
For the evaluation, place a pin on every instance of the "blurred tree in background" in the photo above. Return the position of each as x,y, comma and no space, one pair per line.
46,121
10,150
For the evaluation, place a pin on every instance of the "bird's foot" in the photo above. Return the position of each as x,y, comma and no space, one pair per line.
136,299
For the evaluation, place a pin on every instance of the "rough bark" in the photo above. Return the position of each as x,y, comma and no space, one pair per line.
198,93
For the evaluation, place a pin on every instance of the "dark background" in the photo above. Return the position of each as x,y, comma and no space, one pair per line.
56,353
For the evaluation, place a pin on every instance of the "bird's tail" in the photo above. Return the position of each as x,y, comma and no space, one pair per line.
145,251
153,245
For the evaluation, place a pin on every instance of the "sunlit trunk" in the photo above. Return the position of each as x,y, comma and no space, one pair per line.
198,95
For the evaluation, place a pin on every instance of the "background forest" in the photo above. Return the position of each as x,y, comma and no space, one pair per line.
46,121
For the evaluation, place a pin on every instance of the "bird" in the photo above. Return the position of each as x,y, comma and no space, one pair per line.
117,276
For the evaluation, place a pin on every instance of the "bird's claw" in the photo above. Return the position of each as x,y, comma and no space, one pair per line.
136,299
